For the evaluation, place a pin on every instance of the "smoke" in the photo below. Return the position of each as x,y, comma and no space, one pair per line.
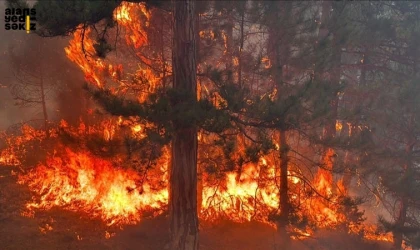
65,96
8,113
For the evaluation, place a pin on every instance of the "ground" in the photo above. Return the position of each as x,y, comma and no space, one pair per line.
61,229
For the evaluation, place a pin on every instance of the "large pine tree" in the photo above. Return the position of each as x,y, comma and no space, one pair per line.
183,172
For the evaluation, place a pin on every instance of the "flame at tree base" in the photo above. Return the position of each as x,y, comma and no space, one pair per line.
81,181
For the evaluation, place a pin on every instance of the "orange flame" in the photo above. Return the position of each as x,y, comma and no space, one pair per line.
83,182
80,181
238,199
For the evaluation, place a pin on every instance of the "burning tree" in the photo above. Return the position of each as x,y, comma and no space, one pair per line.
254,107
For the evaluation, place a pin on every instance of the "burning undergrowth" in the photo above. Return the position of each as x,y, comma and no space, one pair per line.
120,191
80,181
107,169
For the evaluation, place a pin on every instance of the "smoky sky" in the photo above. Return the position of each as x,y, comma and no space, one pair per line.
65,76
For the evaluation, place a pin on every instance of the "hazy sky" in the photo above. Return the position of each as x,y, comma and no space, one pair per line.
9,113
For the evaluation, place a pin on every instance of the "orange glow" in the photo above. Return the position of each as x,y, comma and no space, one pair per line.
338,126
136,128
8,159
80,181
16,146
78,53
372,234
266,62
236,198
133,17
112,189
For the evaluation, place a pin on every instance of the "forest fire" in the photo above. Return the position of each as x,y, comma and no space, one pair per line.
206,124
81,182
240,199
8,159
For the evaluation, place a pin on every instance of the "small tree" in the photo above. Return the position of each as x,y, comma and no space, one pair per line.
35,77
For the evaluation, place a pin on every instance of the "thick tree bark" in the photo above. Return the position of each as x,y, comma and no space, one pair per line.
183,174
279,53
183,193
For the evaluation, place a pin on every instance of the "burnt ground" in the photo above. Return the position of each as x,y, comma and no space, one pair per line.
71,230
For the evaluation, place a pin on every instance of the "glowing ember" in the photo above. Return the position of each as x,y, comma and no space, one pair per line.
45,229
136,128
8,159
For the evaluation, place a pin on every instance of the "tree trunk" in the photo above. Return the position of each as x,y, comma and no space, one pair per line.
183,174
44,105
162,54
199,170
278,53
200,187
229,40
402,212
283,221
183,191
43,101
402,216
240,50
363,63
332,75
